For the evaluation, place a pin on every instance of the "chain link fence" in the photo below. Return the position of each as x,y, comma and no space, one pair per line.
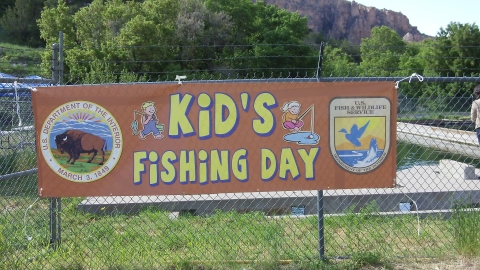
431,213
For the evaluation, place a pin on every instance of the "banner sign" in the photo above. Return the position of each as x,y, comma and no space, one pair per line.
168,139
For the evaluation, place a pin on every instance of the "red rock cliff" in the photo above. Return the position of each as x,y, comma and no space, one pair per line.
342,19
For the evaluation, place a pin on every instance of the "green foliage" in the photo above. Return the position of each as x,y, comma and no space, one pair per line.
156,39
275,36
338,63
19,60
56,19
347,47
6,119
113,36
3,243
52,21
6,4
18,161
166,37
19,22
99,73
435,96
466,227
411,61
455,51
242,13
201,34
381,52
4,247
126,77
372,258
364,238
154,239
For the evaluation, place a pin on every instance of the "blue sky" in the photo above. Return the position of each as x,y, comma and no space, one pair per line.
429,15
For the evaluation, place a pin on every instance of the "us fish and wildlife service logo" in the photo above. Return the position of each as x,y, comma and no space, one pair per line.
360,132
81,141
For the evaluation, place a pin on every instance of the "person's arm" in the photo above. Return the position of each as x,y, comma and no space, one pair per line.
146,119
289,117
473,113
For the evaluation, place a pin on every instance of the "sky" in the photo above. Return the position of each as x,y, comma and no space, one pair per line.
429,15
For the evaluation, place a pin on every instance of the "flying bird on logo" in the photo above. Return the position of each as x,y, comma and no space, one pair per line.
355,133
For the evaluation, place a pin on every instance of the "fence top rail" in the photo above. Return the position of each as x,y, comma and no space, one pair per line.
26,80
321,79
344,79
48,82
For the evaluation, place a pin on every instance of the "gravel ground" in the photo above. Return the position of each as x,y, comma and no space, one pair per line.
431,264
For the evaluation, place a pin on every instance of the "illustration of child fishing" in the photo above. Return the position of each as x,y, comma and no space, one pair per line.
290,117
149,121
292,121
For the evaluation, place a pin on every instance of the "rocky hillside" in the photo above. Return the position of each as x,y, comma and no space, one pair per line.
342,19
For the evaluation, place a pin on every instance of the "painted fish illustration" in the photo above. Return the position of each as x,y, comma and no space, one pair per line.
134,127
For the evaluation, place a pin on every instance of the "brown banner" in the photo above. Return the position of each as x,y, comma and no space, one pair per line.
165,139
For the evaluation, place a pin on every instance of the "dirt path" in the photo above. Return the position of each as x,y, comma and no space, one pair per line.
431,264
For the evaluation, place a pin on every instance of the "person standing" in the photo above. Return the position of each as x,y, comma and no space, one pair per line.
475,113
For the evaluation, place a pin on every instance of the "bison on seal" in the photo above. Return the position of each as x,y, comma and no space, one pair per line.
75,142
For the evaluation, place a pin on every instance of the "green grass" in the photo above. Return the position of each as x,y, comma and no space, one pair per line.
151,239
466,229
224,240
17,162
81,165
19,60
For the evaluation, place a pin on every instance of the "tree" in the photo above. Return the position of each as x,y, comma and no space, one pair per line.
4,5
122,35
242,14
51,22
455,51
347,47
165,37
338,63
411,61
201,34
56,19
277,44
19,22
147,41
381,52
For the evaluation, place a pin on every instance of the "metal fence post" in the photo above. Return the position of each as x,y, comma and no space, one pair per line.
60,59
321,233
55,232
55,49
55,203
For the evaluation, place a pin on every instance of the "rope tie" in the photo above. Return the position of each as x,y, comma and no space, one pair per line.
414,75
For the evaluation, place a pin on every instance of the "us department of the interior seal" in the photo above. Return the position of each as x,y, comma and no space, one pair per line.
81,141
